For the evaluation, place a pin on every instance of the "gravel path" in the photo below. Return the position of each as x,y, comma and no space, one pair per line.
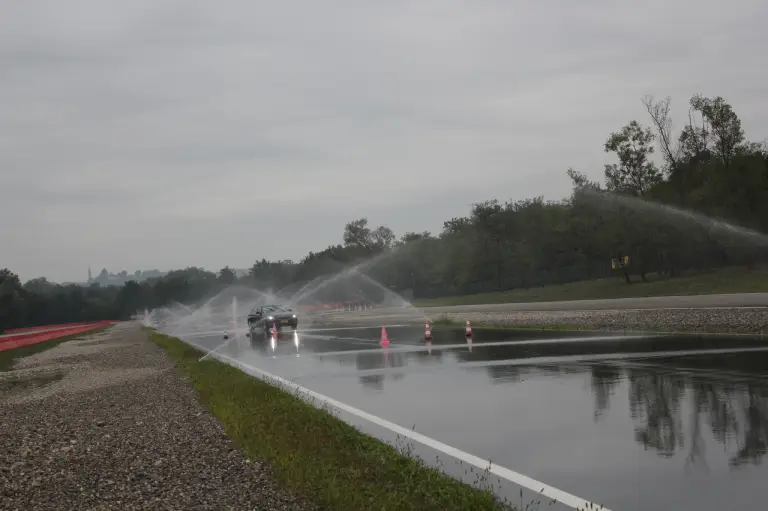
107,423
752,320
735,320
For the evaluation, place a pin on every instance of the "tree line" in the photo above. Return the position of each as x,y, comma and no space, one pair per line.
641,220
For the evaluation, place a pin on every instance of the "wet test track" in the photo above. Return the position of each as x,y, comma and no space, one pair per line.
630,422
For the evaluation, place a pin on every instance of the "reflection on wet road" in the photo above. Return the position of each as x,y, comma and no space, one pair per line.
632,422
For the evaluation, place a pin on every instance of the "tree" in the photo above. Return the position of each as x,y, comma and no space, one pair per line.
382,238
659,112
362,241
580,180
39,285
11,300
227,276
130,298
725,125
635,173
357,234
456,225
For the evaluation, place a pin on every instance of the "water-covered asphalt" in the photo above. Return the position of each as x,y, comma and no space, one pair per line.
632,422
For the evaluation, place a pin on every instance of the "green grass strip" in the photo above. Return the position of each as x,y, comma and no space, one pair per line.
312,452
723,280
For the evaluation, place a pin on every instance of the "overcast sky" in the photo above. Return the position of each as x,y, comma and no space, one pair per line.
160,134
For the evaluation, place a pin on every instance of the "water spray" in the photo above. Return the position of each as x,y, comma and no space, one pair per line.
234,316
673,212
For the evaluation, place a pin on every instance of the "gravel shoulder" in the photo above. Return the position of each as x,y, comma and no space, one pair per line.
721,320
108,423
746,320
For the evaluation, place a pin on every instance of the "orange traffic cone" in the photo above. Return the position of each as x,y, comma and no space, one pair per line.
428,333
468,330
384,339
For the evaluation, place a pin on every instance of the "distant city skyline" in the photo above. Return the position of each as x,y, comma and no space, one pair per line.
107,277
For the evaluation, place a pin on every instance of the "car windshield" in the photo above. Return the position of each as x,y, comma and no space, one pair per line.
275,308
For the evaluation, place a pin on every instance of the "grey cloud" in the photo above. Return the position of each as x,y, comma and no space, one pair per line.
174,124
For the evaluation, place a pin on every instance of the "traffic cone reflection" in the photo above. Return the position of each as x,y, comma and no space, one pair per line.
384,339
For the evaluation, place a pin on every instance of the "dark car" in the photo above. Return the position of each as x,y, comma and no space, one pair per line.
267,316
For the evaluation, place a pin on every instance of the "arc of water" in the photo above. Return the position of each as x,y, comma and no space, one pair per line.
688,215
389,291
325,282
215,350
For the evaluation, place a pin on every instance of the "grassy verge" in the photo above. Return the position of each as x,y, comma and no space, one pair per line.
725,280
8,357
314,453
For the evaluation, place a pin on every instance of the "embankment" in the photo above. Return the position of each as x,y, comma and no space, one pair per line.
726,313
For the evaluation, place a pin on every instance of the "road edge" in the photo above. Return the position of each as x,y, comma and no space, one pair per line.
385,474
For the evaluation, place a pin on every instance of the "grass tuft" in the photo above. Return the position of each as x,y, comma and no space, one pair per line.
312,452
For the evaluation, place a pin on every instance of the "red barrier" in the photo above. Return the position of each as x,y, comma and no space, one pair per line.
43,327
15,341
19,333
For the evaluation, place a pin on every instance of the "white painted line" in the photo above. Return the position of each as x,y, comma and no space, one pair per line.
691,371
361,327
353,340
497,470
608,356
206,333
475,345
530,361
200,333
326,337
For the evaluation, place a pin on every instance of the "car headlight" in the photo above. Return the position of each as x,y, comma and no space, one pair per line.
294,316
270,318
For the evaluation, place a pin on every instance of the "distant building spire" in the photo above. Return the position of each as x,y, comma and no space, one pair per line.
89,274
